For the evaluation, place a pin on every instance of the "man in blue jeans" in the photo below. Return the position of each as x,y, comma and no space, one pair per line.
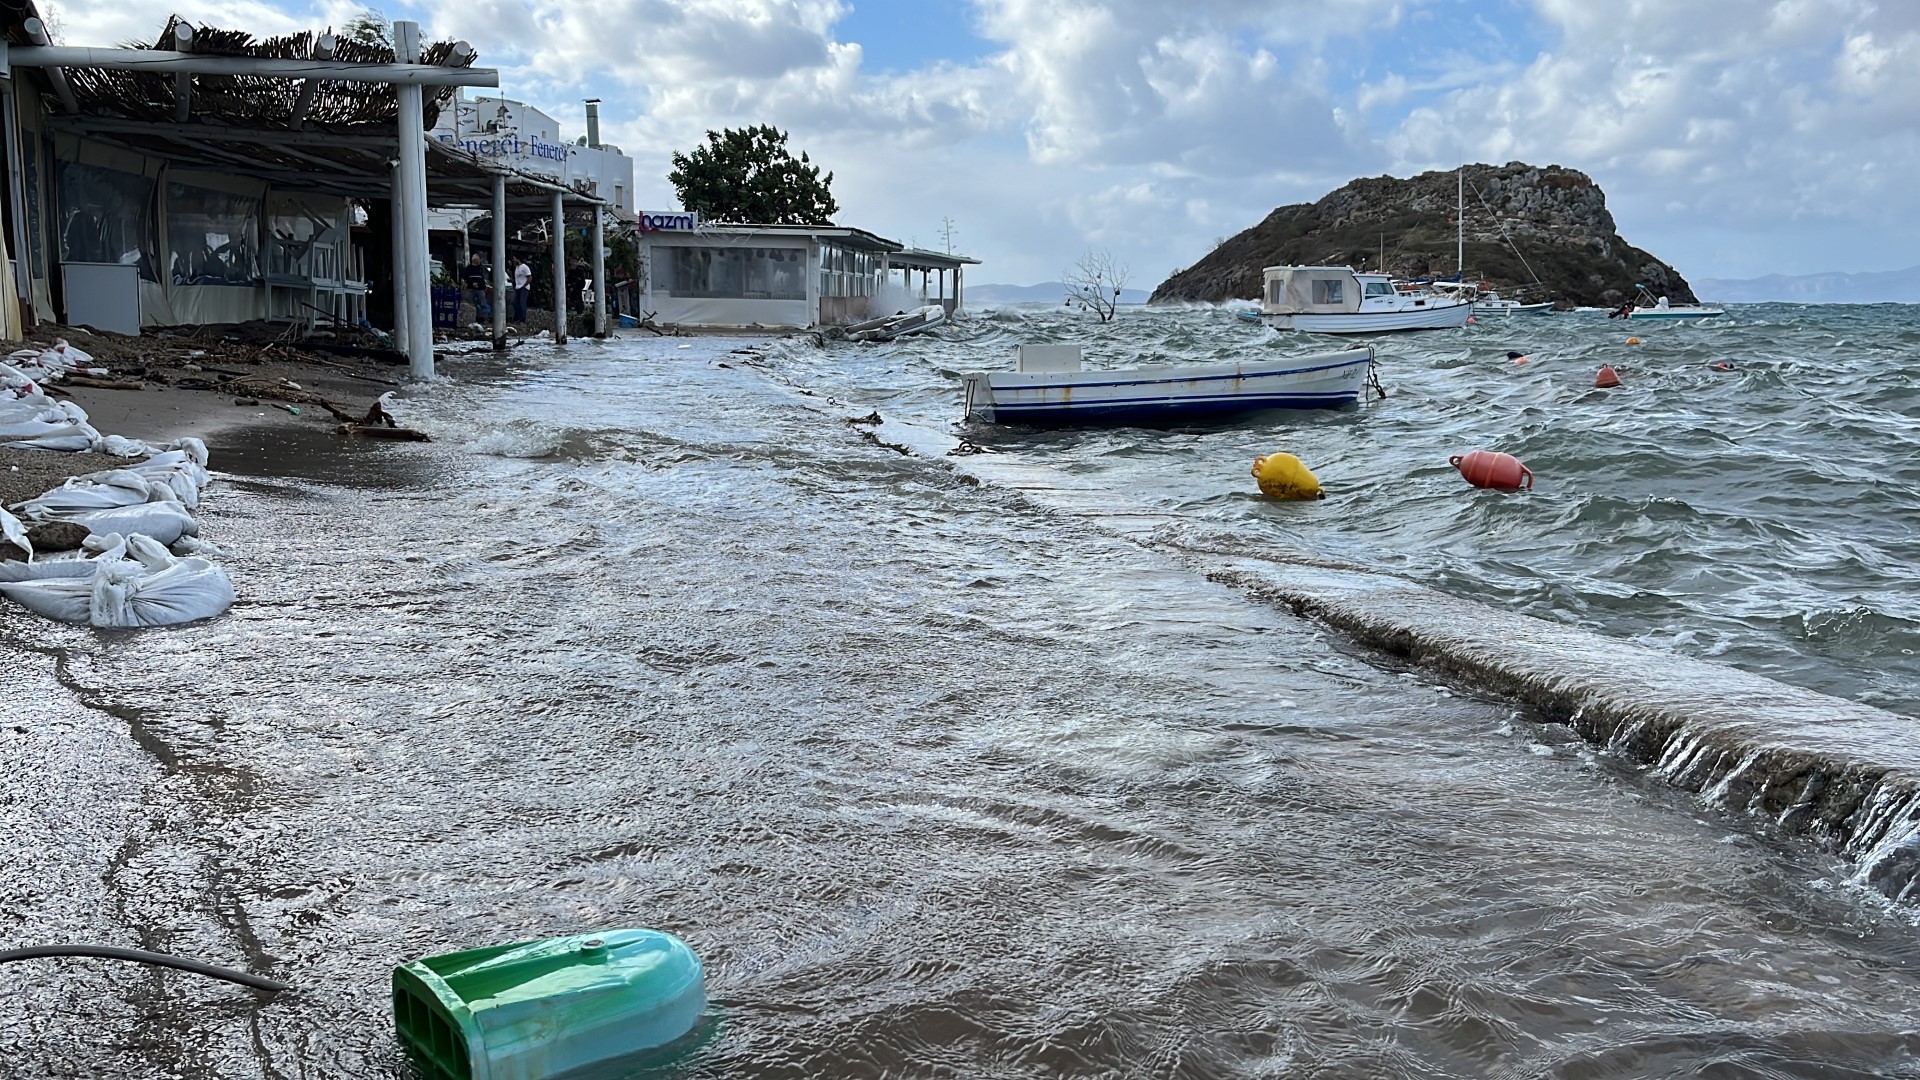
522,285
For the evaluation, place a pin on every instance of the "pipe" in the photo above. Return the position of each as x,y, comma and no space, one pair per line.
406,73
499,260
599,268
323,47
398,223
36,32
559,269
182,81
141,956
413,203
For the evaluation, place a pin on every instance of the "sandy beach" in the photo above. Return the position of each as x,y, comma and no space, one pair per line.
206,387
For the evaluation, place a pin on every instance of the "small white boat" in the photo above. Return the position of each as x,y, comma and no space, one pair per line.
1650,308
1488,302
899,324
1048,386
1339,300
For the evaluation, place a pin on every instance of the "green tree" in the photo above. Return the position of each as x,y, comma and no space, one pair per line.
370,27
747,175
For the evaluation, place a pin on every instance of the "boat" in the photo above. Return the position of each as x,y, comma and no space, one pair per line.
1049,386
1488,302
899,324
1247,315
1648,307
1493,304
1341,300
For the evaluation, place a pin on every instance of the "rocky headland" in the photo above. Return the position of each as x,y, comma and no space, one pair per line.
1522,223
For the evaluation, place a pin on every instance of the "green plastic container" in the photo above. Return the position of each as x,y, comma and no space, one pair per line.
538,1009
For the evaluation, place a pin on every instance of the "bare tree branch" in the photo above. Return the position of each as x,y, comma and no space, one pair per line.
1095,282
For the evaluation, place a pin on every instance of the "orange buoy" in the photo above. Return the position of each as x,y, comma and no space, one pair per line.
1721,365
1607,377
1490,469
1471,321
1633,341
1520,358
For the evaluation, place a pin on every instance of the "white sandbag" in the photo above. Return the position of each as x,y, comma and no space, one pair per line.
132,582
97,491
163,521
79,439
177,472
12,532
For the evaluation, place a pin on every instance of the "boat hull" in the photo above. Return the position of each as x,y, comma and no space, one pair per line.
1440,316
1163,395
1542,308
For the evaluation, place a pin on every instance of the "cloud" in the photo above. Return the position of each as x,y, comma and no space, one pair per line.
1152,127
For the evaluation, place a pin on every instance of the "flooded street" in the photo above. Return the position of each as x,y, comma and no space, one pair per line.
935,782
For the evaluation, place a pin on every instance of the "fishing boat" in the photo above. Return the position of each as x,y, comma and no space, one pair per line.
1649,307
1049,386
899,324
1341,300
1488,302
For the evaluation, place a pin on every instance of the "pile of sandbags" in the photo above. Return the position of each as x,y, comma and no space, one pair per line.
130,513
122,581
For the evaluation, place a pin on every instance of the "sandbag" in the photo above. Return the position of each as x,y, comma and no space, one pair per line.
12,532
96,491
163,521
132,582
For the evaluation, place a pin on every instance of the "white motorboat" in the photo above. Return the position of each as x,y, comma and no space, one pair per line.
1650,307
899,324
1049,386
1488,302
1340,300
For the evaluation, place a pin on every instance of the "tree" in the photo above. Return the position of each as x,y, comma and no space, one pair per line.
370,27
1094,283
748,176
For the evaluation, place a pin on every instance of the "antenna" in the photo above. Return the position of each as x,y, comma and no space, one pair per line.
946,232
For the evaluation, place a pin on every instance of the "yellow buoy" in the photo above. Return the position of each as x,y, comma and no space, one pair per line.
1633,341
1282,476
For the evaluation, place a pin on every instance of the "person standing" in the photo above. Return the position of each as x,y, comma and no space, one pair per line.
474,277
522,286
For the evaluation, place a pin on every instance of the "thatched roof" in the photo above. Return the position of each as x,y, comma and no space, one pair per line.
253,101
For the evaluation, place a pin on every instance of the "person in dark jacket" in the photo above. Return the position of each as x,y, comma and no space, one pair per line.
474,276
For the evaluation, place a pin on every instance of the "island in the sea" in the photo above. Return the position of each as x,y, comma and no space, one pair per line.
1545,228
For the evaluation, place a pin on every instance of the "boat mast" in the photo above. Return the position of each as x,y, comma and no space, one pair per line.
1460,227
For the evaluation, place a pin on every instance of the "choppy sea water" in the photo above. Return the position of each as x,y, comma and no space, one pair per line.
937,783
1766,516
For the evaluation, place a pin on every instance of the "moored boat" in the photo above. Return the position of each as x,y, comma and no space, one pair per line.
1049,386
1340,300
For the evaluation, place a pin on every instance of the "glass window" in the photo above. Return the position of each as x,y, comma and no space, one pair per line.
1327,291
1379,288
732,273
106,216
212,237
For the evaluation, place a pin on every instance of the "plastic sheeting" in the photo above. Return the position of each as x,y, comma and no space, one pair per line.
132,581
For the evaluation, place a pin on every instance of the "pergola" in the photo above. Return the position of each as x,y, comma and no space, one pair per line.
324,114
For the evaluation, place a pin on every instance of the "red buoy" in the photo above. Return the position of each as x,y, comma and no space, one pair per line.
1607,377
1489,469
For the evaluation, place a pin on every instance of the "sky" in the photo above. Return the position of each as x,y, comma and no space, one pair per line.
1734,138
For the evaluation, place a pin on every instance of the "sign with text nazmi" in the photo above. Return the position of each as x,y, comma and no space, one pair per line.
669,221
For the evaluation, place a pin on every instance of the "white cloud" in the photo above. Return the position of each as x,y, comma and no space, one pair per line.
1152,127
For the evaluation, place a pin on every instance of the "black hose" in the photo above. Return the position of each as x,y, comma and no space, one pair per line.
141,956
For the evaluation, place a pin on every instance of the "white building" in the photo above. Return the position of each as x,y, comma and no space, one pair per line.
496,128
699,275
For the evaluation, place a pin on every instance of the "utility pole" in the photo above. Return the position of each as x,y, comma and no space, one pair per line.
946,233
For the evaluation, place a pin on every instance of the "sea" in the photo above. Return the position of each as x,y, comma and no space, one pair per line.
940,782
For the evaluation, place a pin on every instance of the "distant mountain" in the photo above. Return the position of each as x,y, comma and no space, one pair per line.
1047,292
1885,287
1520,221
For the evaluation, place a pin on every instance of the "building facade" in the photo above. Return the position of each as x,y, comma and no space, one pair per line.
786,277
495,128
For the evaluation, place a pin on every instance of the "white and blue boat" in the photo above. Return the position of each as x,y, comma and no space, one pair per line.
1049,387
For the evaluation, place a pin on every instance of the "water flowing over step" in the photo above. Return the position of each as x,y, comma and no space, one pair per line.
1842,774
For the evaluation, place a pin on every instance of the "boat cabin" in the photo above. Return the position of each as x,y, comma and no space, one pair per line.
1320,290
